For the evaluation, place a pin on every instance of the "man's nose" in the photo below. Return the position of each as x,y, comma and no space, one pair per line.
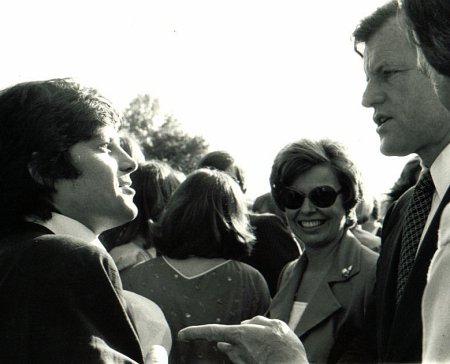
126,162
372,95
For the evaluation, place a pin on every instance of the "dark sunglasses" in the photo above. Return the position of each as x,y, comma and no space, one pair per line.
322,196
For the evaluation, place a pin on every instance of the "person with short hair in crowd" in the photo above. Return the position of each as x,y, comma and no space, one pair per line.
409,119
323,295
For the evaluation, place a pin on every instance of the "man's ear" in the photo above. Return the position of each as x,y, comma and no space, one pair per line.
33,171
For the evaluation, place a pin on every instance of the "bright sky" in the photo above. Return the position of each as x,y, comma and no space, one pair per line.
249,76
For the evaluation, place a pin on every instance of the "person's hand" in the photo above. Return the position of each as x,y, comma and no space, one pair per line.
256,341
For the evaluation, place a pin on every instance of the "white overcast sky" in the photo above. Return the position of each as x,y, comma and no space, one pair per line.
249,76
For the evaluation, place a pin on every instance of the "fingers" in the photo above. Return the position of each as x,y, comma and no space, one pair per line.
274,324
236,356
224,347
211,332
258,320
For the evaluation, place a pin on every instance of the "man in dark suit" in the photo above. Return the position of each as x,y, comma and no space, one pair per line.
64,180
409,119
429,21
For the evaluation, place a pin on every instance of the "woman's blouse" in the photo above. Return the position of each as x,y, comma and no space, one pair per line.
226,294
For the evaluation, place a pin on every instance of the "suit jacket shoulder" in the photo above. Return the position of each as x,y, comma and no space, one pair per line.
62,302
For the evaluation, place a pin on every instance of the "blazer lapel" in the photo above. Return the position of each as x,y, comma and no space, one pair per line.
324,303
281,305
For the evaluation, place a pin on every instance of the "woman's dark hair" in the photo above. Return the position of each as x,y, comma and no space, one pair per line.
206,217
39,122
299,157
154,182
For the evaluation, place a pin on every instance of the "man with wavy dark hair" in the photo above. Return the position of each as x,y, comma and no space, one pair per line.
64,180
429,20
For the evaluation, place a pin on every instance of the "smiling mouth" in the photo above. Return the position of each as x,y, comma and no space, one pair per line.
311,223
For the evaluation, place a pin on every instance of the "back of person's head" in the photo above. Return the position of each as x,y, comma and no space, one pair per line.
366,209
206,217
430,20
407,179
39,122
154,182
301,156
223,161
373,23
265,204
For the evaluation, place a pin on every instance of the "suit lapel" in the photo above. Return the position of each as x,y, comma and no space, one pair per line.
410,304
387,269
324,303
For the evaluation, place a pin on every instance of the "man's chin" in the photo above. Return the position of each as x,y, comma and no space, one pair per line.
132,212
127,214
392,150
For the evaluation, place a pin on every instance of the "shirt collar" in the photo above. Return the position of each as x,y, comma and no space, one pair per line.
64,225
440,172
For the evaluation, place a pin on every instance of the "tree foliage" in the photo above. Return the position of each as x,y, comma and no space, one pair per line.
161,136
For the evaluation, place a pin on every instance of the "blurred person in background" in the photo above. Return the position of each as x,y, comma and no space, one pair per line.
407,179
367,225
264,204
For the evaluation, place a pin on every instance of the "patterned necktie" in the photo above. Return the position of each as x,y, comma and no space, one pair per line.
416,216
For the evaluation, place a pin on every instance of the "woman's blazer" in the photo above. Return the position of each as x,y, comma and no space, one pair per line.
334,315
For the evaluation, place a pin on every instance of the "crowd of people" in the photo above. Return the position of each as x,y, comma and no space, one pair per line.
109,257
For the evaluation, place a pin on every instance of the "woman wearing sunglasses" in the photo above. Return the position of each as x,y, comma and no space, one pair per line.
322,295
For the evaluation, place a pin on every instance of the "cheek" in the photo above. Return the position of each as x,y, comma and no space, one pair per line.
290,218
442,88
338,215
